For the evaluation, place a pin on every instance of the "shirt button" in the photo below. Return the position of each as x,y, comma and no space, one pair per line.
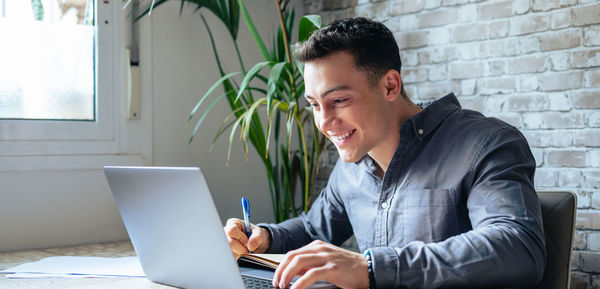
420,131
384,205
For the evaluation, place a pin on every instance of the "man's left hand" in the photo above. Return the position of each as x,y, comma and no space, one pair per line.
322,261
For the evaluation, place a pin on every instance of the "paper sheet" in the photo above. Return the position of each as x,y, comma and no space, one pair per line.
78,267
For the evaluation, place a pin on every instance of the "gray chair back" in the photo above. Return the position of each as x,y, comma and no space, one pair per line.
558,214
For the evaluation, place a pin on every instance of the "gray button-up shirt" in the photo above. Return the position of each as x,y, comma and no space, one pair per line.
456,206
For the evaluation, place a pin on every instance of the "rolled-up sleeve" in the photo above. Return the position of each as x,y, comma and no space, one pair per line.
505,247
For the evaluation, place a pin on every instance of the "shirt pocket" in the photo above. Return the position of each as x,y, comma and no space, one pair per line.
430,215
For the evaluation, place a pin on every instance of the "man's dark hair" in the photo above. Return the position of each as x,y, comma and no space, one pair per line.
370,42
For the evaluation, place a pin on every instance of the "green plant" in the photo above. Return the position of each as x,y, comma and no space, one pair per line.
279,103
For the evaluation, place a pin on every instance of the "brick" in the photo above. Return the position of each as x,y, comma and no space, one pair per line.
566,158
569,178
592,119
438,72
430,4
411,39
591,179
588,138
527,102
585,59
529,44
526,64
538,155
495,10
467,13
498,85
592,78
437,18
560,19
595,200
532,120
454,2
438,55
468,87
583,199
377,11
561,81
594,158
559,101
559,40
528,24
438,36
591,36
496,67
469,50
550,138
586,15
492,48
580,240
545,5
528,83
511,47
586,98
588,219
520,6
472,69
409,58
414,75
559,61
337,4
498,29
402,23
557,120
405,7
544,178
590,262
433,90
469,32
594,241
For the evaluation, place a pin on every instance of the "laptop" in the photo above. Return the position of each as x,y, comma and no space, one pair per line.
176,231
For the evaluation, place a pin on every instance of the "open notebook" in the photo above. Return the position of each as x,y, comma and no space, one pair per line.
263,261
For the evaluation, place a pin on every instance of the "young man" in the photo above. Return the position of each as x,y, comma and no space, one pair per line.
436,195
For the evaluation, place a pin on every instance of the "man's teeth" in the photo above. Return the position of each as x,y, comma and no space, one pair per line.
341,137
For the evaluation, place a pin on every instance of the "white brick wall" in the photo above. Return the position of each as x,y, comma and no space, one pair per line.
532,63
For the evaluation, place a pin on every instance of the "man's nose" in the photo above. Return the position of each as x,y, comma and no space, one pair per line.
326,119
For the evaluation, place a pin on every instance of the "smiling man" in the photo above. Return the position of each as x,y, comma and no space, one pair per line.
436,195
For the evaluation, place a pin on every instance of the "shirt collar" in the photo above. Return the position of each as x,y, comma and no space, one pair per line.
432,115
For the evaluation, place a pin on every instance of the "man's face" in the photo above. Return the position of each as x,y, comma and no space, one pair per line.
348,109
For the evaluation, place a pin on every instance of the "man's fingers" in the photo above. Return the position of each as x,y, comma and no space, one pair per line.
311,276
256,239
297,265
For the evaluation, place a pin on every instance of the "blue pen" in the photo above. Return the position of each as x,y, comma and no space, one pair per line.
246,212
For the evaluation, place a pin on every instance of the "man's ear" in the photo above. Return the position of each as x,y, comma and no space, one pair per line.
393,84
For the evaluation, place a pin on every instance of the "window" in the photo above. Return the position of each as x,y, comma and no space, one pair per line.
48,60
86,126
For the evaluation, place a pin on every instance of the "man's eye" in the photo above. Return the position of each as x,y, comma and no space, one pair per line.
339,100
314,105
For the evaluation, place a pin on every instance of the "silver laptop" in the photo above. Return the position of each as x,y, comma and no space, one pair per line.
175,229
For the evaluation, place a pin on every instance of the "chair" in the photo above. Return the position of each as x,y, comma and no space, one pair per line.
558,214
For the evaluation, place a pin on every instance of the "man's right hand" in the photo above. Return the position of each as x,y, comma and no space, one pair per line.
259,241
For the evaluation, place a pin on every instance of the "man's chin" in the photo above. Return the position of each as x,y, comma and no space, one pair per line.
349,158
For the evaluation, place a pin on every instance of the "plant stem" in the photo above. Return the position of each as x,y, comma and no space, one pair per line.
284,32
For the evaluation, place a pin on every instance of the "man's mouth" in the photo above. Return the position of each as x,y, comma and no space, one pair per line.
341,138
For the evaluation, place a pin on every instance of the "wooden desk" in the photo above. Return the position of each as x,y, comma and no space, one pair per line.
116,249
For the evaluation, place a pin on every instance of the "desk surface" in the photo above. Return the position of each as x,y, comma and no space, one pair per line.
116,249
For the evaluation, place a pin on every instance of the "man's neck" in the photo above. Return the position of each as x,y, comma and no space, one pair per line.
384,154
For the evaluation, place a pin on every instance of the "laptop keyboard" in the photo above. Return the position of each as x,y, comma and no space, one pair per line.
255,283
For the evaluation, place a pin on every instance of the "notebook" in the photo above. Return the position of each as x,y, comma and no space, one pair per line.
175,228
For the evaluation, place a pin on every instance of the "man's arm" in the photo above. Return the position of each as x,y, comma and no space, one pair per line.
505,248
326,221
